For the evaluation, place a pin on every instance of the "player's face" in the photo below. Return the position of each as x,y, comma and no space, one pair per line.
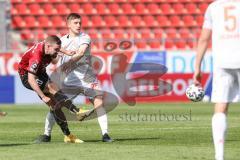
53,49
75,26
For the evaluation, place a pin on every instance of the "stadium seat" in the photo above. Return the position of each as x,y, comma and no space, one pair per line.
169,44
44,22
27,1
185,33
136,21
119,34
114,8
146,33
52,31
127,8
153,8
171,33
58,22
192,43
199,20
196,32
40,34
149,21
74,7
176,21
101,8
97,21
31,22
110,21
192,8
49,9
202,7
181,44
62,32
107,34
86,22
18,22
35,9
140,44
158,33
16,1
154,44
166,8
22,9
178,8
54,1
88,8
62,9
189,21
140,8
163,21
133,34
93,33
123,21
26,34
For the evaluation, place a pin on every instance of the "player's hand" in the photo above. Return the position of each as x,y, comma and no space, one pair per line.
46,99
70,53
197,77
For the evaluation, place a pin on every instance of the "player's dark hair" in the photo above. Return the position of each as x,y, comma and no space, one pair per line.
72,16
53,39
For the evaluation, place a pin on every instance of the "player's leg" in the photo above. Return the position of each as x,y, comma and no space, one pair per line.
50,89
49,123
225,90
102,118
60,98
219,128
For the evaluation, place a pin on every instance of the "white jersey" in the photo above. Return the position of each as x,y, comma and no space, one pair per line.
78,75
223,18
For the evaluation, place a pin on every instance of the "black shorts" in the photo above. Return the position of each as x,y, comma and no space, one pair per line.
41,79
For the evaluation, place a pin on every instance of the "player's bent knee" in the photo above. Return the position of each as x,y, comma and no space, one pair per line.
221,107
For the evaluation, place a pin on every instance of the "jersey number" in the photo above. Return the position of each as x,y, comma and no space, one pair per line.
230,19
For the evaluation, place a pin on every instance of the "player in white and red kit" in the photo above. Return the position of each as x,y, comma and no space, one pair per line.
222,22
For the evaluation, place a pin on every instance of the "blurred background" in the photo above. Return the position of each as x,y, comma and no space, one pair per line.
159,31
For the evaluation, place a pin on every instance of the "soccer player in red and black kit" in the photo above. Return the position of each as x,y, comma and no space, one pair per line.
32,71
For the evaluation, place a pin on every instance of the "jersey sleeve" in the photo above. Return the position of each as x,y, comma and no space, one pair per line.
34,61
207,24
85,39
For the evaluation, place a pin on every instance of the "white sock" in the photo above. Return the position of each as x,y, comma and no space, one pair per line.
49,123
219,127
102,120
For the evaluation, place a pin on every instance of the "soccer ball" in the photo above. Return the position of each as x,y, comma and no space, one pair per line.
195,93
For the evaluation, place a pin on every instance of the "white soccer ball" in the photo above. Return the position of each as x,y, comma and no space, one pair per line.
195,93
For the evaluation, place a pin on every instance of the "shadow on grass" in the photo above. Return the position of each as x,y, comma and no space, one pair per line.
127,139
14,144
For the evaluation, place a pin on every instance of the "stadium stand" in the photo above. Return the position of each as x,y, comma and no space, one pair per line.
180,20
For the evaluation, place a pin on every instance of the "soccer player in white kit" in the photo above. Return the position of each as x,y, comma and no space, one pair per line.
79,42
222,22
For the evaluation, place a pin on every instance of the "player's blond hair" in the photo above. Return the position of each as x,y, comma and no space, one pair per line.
72,16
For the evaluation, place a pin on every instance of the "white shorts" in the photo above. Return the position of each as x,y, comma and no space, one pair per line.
226,85
88,89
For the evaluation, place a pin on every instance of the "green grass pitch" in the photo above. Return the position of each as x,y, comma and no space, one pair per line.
172,131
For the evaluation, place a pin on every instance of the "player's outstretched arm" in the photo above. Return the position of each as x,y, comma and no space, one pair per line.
201,50
79,53
69,53
33,83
